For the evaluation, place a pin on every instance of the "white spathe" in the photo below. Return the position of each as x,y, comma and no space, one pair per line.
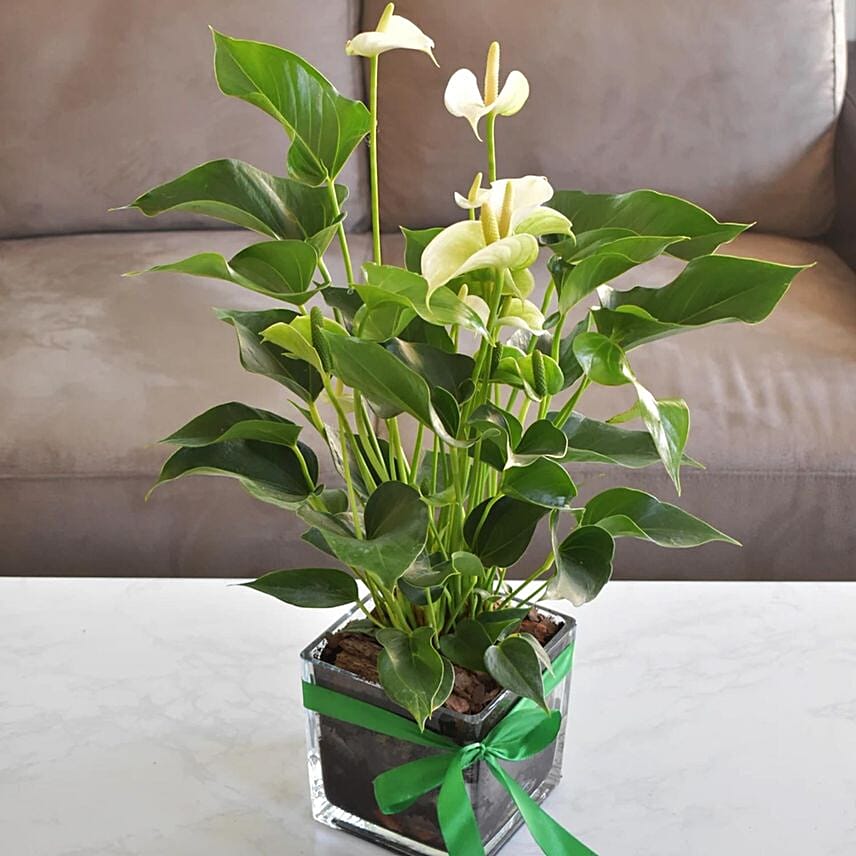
462,248
398,32
463,97
528,213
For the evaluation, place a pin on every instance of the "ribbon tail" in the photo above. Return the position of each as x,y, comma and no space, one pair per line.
550,836
400,787
455,813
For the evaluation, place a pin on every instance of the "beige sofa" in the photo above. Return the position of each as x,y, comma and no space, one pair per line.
736,105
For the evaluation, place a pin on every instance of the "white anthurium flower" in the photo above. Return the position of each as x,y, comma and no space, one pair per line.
462,247
463,98
476,303
528,214
523,315
392,32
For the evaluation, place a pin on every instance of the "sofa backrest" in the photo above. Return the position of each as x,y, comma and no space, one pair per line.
101,100
732,104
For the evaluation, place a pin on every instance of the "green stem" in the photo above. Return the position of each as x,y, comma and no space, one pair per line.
417,452
565,413
373,64
490,139
340,231
397,448
548,563
303,467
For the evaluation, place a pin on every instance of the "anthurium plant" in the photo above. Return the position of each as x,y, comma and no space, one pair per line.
446,396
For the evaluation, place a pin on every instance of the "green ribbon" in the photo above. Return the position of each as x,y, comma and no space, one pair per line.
523,732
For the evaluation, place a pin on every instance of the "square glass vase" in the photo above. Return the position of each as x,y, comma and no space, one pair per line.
344,759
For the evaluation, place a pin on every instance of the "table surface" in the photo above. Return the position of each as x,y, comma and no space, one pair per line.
161,717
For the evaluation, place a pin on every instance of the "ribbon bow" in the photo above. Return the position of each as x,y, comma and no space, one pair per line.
523,732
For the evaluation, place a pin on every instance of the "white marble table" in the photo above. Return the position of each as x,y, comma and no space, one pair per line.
162,718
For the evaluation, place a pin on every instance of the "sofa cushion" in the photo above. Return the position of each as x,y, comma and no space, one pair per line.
101,101
94,369
732,104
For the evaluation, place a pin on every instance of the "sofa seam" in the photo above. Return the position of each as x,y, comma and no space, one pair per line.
693,476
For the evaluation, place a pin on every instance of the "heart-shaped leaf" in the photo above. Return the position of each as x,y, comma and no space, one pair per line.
452,372
647,212
498,623
625,512
498,531
543,482
617,257
583,564
246,196
396,525
235,421
281,269
415,241
601,359
710,290
542,437
591,441
390,385
514,664
385,284
411,670
316,588
267,358
668,423
324,126
465,647
267,471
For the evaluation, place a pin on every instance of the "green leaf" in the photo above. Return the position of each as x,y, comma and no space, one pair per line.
500,622
542,437
385,284
390,385
266,358
411,670
235,421
591,441
625,512
601,359
346,300
615,258
543,482
396,525
583,564
647,212
467,564
514,664
452,372
587,243
466,646
267,471
668,423
710,290
446,685
324,126
415,241
246,196
316,588
380,322
281,269
296,338
503,536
